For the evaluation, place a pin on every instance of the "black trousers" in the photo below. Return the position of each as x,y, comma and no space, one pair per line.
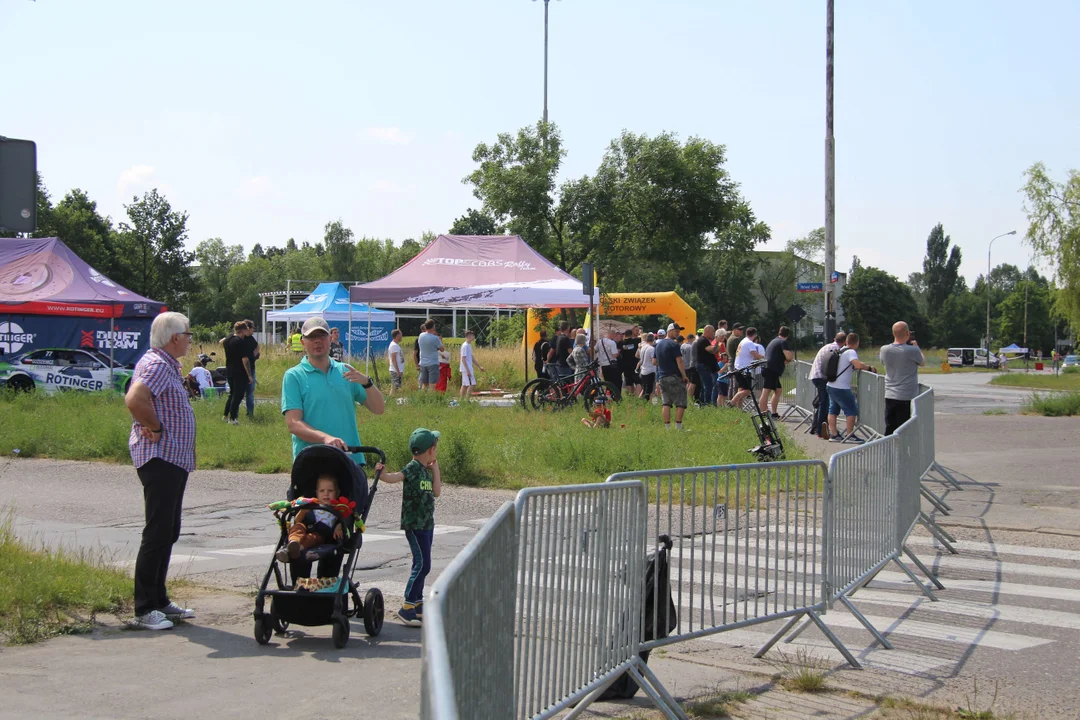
821,413
163,496
612,375
238,385
897,412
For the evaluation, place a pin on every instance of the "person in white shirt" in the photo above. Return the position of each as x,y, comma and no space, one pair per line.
840,395
817,377
607,354
646,366
397,361
748,352
201,375
468,378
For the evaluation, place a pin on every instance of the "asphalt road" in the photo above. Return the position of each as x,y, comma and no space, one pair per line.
972,394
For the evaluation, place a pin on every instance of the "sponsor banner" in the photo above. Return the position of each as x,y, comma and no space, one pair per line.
479,263
65,309
380,336
126,338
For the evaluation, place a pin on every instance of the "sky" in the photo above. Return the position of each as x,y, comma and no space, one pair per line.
266,120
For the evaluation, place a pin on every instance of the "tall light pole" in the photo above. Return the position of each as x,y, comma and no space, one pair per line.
545,57
988,249
830,179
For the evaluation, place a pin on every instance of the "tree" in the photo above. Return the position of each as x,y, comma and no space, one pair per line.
776,280
1035,292
961,321
873,300
215,260
340,255
941,271
856,266
1053,210
476,222
77,222
917,282
153,244
724,280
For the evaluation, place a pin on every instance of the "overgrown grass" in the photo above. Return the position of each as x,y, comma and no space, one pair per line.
1053,404
716,705
480,446
801,672
45,592
1070,381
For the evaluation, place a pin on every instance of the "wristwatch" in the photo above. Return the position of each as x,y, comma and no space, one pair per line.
161,429
368,384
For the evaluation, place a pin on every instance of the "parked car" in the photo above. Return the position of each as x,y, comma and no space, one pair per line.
52,369
973,357
1070,361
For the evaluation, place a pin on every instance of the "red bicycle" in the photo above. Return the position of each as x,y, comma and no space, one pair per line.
544,394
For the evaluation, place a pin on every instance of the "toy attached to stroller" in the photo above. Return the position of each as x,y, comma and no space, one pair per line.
298,600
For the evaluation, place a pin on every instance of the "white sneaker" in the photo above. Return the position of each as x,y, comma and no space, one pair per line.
153,620
234,422
174,612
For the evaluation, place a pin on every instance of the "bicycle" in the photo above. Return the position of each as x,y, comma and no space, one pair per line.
544,394
770,446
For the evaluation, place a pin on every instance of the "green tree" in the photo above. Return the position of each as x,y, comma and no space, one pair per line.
476,222
961,322
340,256
941,267
77,222
873,300
723,282
1053,210
917,282
215,296
1034,292
153,243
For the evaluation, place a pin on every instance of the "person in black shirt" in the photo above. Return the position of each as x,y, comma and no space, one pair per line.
238,370
337,350
252,355
628,361
777,355
540,353
705,349
558,356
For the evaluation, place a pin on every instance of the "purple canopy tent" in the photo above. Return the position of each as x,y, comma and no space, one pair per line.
50,297
499,271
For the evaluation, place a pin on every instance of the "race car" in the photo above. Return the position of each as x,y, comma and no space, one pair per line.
52,369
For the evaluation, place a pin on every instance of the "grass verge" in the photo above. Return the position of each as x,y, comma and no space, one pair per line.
1053,404
45,592
1070,381
480,446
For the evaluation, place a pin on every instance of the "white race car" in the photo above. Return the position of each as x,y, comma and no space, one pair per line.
52,369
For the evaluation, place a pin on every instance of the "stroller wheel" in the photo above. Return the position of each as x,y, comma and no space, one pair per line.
263,630
278,625
373,612
341,633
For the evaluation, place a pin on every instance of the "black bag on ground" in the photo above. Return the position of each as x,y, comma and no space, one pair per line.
657,594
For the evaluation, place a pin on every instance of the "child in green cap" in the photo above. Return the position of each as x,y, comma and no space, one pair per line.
422,485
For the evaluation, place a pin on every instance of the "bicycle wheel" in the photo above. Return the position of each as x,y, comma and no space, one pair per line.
546,396
604,389
526,391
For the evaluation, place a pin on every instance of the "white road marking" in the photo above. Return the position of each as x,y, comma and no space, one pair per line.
934,631
1001,549
899,580
985,611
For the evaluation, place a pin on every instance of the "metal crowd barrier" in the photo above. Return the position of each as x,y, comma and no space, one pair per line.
468,635
581,569
805,392
746,547
922,409
870,393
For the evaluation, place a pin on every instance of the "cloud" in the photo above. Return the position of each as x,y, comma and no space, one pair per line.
389,186
258,186
389,135
134,177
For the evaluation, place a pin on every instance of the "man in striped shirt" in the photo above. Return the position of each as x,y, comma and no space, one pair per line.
162,445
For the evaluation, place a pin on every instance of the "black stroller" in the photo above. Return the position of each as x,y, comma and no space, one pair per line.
330,605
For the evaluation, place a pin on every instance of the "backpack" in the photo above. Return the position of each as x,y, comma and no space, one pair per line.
832,364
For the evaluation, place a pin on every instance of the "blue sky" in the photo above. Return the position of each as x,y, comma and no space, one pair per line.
264,120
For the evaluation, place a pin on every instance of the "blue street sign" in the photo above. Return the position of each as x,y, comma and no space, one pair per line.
808,287
835,277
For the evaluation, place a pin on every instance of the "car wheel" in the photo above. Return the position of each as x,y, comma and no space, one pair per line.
21,383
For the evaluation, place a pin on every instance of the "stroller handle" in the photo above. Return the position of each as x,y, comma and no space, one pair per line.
375,483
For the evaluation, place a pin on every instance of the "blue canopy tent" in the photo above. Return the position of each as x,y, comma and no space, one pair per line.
360,326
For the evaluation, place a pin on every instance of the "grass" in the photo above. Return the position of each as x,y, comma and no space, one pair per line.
718,704
1053,404
481,446
1069,381
801,672
995,411
46,592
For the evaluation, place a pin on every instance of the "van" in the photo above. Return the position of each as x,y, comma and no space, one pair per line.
973,357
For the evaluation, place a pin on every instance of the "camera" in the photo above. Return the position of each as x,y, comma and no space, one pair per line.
911,338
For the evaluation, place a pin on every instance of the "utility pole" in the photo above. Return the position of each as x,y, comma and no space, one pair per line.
1025,318
830,180
545,58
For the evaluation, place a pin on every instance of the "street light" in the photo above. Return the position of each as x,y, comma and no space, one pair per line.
545,57
1011,232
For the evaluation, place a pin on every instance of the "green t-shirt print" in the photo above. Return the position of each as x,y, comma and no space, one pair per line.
417,498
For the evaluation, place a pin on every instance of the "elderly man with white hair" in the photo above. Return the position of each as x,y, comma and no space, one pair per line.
162,445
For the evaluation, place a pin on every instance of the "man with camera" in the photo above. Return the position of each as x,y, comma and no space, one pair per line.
902,361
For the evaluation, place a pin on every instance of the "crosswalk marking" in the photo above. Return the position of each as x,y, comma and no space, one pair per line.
898,580
985,611
1002,549
934,631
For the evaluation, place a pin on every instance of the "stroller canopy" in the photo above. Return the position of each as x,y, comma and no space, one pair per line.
316,460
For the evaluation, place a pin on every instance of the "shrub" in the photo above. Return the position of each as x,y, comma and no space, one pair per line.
1054,404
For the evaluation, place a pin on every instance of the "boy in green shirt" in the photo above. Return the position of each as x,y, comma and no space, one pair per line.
422,484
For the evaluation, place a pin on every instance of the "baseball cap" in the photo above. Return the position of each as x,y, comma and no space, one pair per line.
661,333
422,439
738,326
673,326
314,324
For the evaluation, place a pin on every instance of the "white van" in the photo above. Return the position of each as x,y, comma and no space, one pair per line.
973,357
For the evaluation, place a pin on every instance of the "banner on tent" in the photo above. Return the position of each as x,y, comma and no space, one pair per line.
380,335
126,338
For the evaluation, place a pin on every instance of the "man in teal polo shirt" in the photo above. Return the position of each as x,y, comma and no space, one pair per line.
319,395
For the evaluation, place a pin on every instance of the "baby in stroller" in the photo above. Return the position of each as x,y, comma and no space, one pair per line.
314,527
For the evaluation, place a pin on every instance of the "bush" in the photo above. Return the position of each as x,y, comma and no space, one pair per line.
1071,370
1054,404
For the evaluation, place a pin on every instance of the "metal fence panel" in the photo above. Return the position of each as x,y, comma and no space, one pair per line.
746,543
870,391
864,485
581,559
468,635
805,392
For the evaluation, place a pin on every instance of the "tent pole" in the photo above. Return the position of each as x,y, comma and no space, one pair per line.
350,330
367,353
453,329
112,350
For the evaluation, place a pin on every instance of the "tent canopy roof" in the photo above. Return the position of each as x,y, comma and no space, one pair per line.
42,276
329,301
476,271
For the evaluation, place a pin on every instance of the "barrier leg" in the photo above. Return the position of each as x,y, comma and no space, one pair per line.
935,500
945,474
914,578
835,640
787,626
589,699
925,570
647,680
939,533
865,623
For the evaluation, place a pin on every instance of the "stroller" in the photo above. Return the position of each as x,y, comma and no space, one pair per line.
328,605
